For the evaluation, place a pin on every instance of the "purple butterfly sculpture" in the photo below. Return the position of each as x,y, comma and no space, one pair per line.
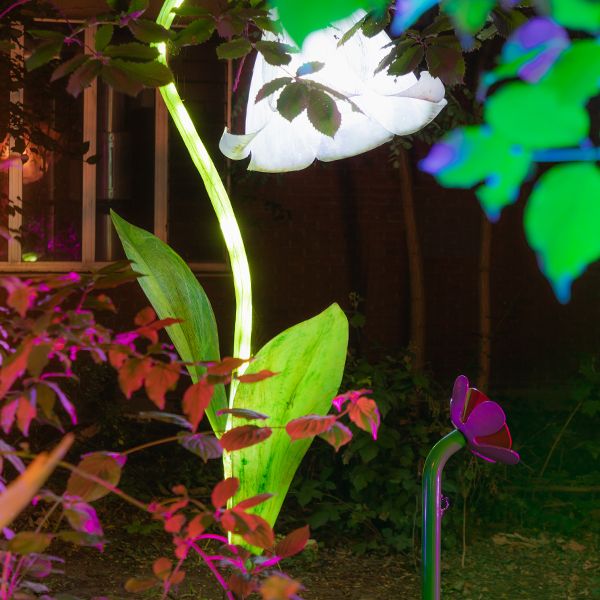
482,422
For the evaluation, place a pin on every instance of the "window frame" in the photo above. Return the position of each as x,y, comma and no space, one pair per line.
14,262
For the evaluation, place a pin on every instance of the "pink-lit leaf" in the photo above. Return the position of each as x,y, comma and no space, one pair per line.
145,316
309,426
8,414
82,517
196,400
65,402
244,437
132,374
293,543
226,366
14,366
26,412
365,414
204,446
223,491
175,523
339,435
243,413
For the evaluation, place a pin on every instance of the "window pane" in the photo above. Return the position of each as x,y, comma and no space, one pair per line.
52,175
193,228
125,167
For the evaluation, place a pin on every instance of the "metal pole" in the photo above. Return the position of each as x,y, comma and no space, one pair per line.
432,512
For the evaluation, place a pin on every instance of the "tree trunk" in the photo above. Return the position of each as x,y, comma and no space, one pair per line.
485,314
415,263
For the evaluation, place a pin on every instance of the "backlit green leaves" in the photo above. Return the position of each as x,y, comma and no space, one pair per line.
173,289
309,359
562,223
301,17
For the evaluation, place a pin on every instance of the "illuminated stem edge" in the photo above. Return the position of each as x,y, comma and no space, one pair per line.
220,202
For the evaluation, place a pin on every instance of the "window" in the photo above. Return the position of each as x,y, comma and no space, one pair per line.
133,162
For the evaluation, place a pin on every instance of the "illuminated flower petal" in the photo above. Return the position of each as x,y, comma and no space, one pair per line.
390,105
482,422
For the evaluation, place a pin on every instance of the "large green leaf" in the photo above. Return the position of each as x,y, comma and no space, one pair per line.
562,223
174,291
309,359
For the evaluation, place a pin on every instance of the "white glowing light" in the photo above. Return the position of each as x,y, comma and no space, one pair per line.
388,105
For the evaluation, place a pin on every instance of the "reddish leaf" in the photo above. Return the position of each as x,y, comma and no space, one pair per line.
14,366
309,426
161,377
243,413
177,577
223,491
226,366
195,401
100,464
145,316
259,531
244,437
134,585
337,436
132,374
254,501
150,332
174,523
199,524
365,414
255,377
100,302
162,568
117,356
25,413
21,296
293,543
241,586
279,587
204,446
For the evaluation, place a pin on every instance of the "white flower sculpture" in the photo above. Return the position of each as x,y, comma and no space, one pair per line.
387,105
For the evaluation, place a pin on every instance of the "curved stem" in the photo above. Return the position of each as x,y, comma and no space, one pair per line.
432,511
220,202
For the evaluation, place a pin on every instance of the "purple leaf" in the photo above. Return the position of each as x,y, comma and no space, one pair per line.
457,402
487,418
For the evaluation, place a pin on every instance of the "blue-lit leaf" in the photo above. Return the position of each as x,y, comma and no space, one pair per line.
471,155
562,223
407,12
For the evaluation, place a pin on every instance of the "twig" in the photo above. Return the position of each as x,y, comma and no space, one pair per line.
12,7
557,439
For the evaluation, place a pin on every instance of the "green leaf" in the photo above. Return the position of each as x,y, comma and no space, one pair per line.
27,542
275,53
407,61
234,49
174,291
576,14
271,87
103,36
442,23
350,33
83,76
43,54
150,74
468,16
149,31
68,66
562,221
535,117
375,24
323,113
132,50
46,34
293,100
445,60
309,359
196,32
120,81
137,6
301,17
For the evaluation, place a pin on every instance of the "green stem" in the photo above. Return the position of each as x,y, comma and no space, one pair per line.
220,202
432,511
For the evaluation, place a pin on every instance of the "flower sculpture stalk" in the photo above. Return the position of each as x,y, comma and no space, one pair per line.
219,199
480,425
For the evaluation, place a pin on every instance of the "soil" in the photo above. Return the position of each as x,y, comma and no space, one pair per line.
511,566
